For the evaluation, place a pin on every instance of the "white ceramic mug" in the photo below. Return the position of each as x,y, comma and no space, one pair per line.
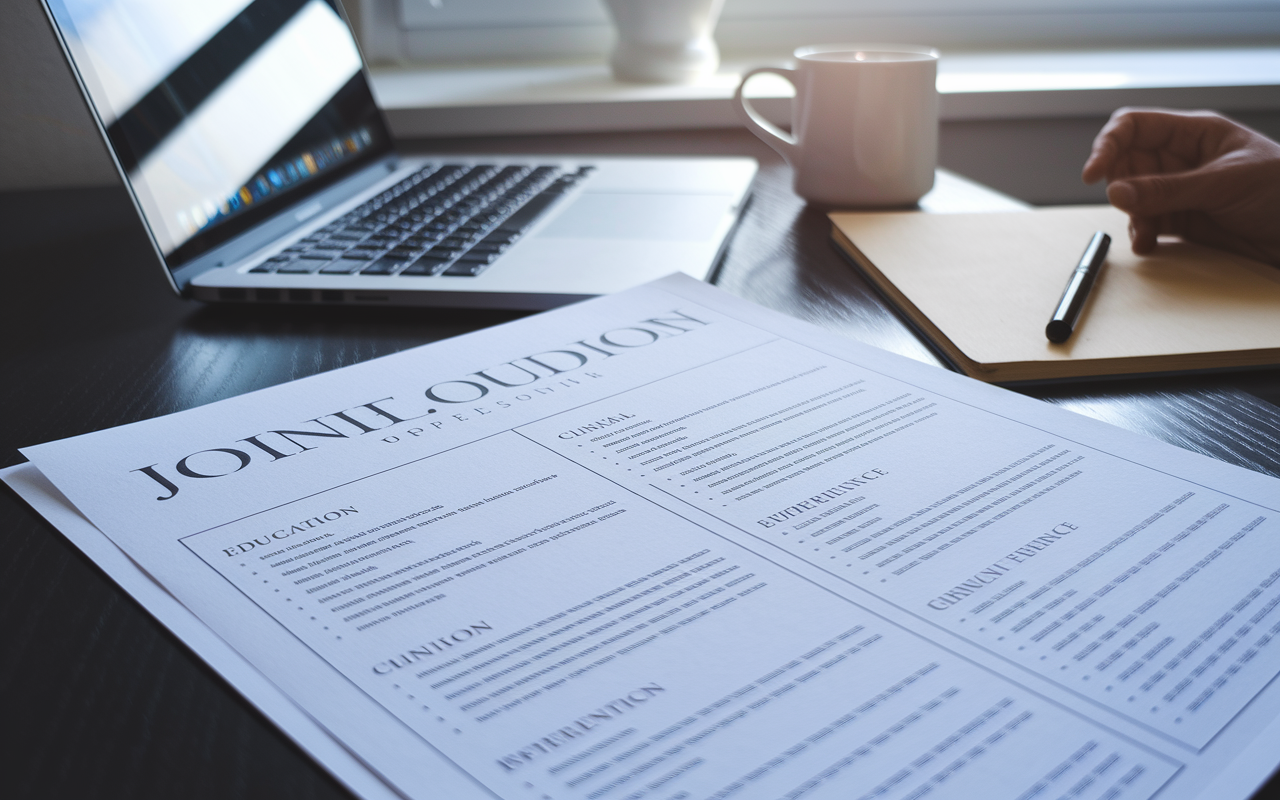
864,122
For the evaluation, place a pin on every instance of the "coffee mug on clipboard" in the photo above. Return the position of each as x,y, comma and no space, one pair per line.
864,123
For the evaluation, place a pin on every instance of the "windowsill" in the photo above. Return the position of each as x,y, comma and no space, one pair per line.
581,96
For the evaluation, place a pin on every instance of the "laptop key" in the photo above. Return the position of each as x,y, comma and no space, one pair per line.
527,213
561,185
299,267
465,269
427,265
420,241
478,257
344,266
387,265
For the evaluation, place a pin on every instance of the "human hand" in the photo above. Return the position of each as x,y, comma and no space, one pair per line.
1194,174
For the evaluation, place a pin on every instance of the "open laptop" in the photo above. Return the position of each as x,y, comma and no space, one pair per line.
264,171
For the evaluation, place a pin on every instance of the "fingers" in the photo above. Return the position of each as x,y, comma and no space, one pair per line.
1113,144
1151,136
1156,195
1194,227
1143,233
1098,164
1107,147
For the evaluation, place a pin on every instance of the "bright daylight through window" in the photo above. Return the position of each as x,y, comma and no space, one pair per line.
471,30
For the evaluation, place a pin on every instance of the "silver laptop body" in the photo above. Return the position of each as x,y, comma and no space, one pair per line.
263,170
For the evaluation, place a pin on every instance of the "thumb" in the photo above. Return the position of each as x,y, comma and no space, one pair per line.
1156,195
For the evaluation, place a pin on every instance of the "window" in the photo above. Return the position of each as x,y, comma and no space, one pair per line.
488,30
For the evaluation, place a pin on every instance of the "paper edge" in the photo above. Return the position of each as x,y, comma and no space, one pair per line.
38,492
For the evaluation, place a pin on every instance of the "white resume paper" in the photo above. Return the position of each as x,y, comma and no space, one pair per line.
669,545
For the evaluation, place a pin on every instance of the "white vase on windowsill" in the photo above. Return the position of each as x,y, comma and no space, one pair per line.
664,41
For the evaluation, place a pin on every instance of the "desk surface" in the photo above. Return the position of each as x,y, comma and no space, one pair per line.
96,699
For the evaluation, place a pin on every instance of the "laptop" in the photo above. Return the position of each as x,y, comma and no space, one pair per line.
263,171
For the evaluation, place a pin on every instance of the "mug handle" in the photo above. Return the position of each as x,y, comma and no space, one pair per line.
784,143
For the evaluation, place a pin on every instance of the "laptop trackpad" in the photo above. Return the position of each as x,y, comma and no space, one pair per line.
663,217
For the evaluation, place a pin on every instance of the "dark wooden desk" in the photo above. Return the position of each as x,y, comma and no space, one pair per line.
96,699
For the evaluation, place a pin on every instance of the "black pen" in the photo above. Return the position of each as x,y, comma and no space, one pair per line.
1082,277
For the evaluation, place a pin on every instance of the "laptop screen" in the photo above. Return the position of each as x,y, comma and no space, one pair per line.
222,112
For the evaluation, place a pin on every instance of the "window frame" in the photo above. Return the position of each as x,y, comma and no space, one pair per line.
513,30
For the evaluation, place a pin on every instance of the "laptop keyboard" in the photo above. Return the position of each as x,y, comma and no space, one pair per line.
445,219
